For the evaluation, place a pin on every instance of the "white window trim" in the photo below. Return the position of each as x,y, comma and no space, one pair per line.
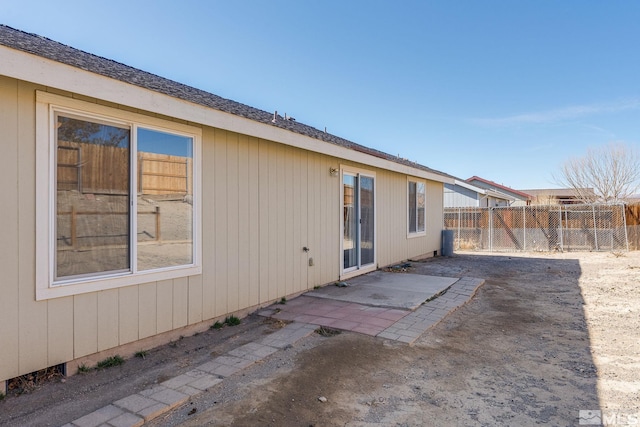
414,234
357,271
46,105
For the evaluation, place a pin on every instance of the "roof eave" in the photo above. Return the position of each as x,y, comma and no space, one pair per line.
27,66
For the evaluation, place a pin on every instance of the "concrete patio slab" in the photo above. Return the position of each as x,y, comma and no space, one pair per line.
392,290
358,310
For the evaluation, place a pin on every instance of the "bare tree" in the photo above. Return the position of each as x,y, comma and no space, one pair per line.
606,174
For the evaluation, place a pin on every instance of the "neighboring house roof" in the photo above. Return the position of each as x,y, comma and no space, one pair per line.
560,193
485,183
49,49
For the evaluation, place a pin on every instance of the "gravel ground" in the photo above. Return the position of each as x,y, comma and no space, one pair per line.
547,336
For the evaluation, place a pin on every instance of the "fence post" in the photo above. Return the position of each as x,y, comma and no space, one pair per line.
459,221
158,238
79,171
624,224
74,233
595,227
490,229
186,178
561,230
524,228
140,173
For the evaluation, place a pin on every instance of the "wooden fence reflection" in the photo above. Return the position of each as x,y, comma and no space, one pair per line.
100,169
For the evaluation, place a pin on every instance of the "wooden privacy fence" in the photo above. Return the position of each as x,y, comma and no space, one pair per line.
632,215
74,214
102,169
539,228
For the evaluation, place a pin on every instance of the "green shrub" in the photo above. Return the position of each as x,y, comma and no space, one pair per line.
232,321
141,354
110,361
217,325
83,369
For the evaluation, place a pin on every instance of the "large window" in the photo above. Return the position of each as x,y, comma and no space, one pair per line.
417,205
122,198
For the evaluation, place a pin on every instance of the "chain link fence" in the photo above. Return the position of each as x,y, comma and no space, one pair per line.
539,228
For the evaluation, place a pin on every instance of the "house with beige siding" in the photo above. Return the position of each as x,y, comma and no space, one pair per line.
137,209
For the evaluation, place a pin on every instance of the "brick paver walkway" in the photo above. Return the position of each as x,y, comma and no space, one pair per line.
136,409
307,313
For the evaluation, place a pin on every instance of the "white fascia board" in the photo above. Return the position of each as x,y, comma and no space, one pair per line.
470,186
32,68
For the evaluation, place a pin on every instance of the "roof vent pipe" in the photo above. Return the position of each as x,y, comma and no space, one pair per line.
275,116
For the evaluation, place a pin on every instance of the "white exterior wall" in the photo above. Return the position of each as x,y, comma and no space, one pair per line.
262,202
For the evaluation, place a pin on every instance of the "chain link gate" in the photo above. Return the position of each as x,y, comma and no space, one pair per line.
539,228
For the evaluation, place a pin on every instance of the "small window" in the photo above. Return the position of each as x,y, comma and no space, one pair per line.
417,205
122,200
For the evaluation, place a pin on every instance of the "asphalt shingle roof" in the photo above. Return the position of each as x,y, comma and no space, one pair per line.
50,49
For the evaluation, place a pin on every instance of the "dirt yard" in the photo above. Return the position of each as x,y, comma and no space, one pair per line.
547,335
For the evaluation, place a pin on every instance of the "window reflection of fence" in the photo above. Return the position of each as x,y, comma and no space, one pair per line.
164,174
539,228
69,168
73,223
92,168
83,167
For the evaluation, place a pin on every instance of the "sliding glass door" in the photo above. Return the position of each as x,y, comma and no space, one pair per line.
358,210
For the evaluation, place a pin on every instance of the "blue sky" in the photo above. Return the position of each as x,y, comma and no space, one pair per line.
506,90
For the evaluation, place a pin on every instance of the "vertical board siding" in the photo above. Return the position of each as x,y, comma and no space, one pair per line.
262,202
401,216
148,310
263,229
416,246
253,225
458,196
276,226
325,222
108,326
291,244
333,213
435,215
85,325
233,224
33,315
387,229
59,330
244,260
298,199
164,298
314,219
303,197
208,226
180,302
271,207
128,314
195,300
220,220
9,215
